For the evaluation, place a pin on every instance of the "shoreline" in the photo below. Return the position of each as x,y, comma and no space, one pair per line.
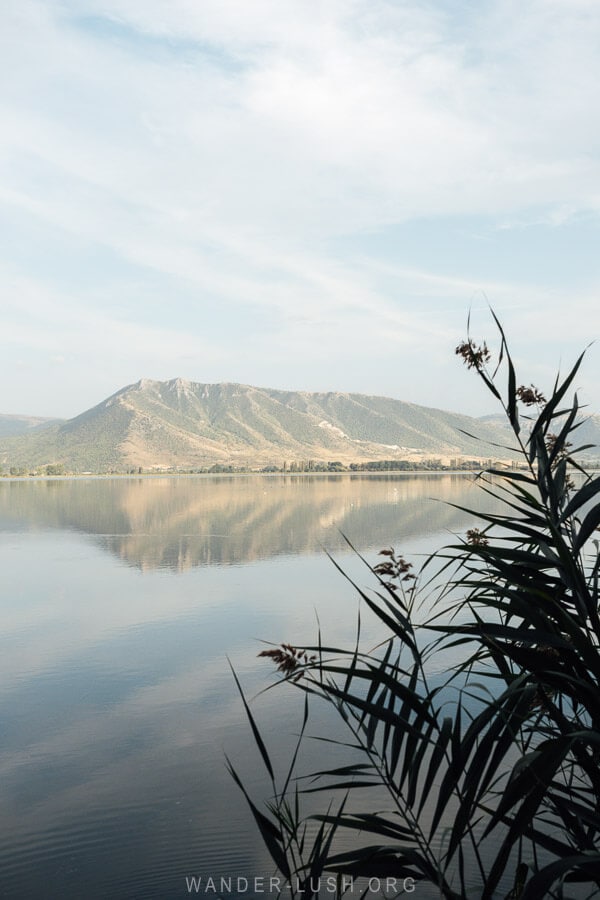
96,476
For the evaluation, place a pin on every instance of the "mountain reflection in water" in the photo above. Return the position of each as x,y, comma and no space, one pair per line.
182,522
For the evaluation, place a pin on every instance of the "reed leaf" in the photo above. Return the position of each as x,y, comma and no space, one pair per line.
519,597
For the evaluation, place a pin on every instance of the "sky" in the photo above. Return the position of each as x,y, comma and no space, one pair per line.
296,194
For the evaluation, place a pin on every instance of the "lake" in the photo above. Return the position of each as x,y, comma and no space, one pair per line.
122,600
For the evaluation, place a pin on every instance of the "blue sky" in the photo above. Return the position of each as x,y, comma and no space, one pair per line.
295,194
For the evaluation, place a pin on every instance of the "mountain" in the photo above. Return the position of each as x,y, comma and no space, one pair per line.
183,424
23,424
587,432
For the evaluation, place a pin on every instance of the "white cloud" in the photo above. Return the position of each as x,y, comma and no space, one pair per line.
325,124
222,147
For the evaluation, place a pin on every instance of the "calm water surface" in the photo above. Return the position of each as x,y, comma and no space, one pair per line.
121,601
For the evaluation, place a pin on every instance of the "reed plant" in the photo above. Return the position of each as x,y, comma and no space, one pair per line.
486,782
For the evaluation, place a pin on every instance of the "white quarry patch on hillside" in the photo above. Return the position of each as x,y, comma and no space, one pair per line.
328,425
389,446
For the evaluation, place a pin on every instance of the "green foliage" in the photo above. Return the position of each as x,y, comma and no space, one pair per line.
492,774
404,465
54,469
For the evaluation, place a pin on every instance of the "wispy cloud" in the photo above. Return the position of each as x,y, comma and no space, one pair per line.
231,158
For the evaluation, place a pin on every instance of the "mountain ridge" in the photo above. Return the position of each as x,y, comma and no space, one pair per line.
181,424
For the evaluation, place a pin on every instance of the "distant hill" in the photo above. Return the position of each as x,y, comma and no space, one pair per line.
23,424
183,424
587,432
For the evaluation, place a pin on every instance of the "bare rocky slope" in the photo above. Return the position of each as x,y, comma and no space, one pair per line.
183,424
